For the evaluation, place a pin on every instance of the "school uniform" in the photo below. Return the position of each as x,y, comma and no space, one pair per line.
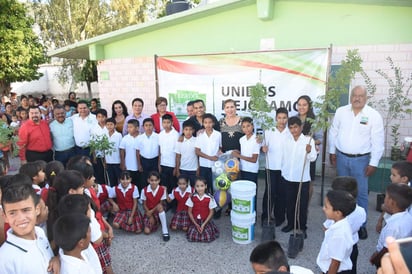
167,143
189,162
103,195
355,220
201,207
72,265
181,219
337,244
129,144
209,145
249,147
148,147
152,198
293,156
113,159
399,225
124,198
274,140
19,255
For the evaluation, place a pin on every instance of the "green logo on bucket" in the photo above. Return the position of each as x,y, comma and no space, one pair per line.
241,206
240,233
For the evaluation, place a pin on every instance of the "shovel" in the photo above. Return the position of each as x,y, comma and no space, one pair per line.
268,226
296,239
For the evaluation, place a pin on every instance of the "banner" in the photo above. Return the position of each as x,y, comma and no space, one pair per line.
217,77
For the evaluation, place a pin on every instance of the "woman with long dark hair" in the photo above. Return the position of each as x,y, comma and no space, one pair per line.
119,113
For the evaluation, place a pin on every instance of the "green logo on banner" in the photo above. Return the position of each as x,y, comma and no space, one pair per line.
179,100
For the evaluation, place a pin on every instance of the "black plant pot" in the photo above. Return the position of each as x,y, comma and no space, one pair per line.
380,197
395,153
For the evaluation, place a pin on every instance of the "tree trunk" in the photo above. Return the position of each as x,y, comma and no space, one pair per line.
89,89
5,87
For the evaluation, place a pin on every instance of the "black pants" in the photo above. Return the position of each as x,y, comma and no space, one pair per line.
99,171
113,172
206,172
64,156
32,156
135,178
291,196
167,178
354,258
277,197
147,165
191,174
85,151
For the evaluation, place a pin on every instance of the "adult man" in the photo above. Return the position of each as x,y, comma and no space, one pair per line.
34,138
62,133
356,144
83,122
137,107
197,118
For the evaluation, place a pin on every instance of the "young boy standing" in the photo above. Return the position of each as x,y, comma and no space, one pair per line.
113,159
128,146
398,198
27,248
298,152
208,147
249,153
147,151
98,157
167,142
334,254
187,162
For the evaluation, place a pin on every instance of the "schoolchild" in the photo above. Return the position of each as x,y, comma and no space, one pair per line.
35,171
180,220
97,132
147,151
167,142
298,151
398,199
273,147
153,197
249,153
72,235
102,193
112,158
201,207
208,147
4,181
187,162
334,254
355,219
27,249
401,173
128,146
127,215
52,169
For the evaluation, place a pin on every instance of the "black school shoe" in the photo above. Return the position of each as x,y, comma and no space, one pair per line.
287,228
166,237
363,233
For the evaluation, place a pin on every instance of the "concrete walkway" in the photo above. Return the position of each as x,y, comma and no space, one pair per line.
149,254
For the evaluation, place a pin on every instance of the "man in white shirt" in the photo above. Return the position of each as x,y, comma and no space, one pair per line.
83,122
356,144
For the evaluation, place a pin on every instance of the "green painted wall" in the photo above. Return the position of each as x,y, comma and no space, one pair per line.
294,25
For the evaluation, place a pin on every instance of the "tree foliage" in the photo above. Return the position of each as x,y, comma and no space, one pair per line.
21,52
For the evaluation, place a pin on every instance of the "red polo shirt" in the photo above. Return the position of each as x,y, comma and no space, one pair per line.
35,137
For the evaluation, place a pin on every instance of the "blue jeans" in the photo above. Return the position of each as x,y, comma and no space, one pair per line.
64,156
355,167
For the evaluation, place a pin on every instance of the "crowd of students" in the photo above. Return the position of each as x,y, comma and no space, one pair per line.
153,167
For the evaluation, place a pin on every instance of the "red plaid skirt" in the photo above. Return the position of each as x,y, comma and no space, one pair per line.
103,253
210,233
121,218
147,223
105,207
180,220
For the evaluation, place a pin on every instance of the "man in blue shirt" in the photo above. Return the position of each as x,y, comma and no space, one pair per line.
62,135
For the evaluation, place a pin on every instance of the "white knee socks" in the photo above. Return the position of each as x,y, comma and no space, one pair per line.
163,222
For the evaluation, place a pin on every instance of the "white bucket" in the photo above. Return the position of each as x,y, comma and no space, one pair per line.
243,227
243,196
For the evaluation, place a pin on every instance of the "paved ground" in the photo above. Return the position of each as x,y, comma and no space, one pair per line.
149,254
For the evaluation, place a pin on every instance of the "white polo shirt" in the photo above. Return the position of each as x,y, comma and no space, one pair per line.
72,265
19,255
186,149
167,144
209,145
114,157
399,225
129,144
248,147
274,140
148,146
82,128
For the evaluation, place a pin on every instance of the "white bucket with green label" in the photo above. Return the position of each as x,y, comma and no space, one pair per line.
243,227
243,196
